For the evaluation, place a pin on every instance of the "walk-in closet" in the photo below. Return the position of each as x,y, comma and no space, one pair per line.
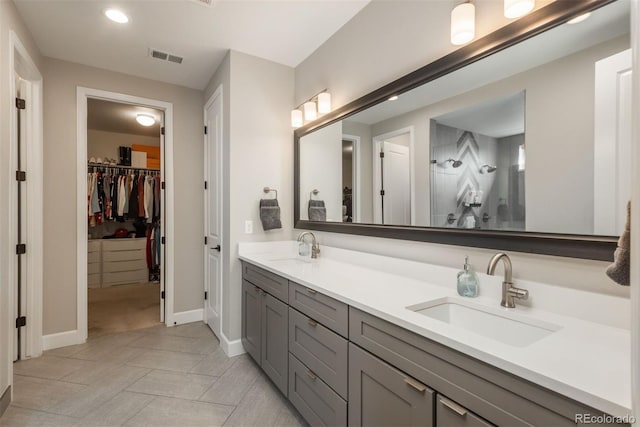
124,200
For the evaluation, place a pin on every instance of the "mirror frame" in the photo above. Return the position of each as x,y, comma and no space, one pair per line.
564,245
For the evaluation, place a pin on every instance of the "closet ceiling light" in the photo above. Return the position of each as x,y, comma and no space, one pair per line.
116,16
463,23
145,119
580,18
518,8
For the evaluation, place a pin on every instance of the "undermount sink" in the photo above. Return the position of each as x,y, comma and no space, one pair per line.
497,324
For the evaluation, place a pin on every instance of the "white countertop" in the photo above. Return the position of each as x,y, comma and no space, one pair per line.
588,359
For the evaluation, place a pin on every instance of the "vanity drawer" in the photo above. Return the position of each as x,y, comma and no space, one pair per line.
316,401
331,313
493,394
450,414
272,283
323,351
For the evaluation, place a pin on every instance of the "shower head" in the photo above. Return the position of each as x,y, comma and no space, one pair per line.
455,163
488,169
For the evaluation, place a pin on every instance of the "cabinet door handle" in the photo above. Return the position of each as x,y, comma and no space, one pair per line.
415,384
311,374
312,291
453,406
312,323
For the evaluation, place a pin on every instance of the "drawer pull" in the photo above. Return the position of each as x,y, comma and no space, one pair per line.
415,384
312,323
256,289
453,406
311,374
312,291
264,292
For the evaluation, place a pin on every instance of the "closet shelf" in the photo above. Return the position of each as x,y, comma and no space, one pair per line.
102,165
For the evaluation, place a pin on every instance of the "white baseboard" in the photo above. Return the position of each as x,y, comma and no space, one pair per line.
231,348
61,339
187,317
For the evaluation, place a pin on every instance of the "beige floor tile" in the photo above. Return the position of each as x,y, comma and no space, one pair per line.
105,353
289,417
261,405
166,360
50,367
38,393
20,417
173,384
104,372
214,364
234,383
168,343
190,330
167,411
118,410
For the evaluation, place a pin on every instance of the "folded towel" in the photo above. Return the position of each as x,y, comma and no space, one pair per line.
317,210
270,214
620,270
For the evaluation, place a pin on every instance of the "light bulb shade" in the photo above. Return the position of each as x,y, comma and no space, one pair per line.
116,16
296,118
463,23
145,119
324,102
310,112
518,8
580,18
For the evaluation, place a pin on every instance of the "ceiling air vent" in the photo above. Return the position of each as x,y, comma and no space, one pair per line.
164,56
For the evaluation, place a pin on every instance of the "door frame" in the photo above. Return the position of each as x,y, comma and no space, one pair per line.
21,63
218,93
356,175
167,208
378,140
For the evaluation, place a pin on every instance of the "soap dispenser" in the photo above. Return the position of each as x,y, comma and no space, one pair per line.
467,281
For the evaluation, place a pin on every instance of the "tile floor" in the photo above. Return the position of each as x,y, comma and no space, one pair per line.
150,377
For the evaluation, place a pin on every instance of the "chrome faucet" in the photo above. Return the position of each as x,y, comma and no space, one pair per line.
315,247
509,292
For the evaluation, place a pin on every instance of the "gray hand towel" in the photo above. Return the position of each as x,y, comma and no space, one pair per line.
620,270
270,214
317,210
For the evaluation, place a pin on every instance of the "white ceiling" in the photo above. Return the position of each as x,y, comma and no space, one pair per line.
121,118
285,31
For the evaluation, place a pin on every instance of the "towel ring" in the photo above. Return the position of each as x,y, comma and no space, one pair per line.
269,190
313,193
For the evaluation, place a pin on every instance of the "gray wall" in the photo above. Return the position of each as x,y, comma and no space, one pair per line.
103,144
61,80
344,65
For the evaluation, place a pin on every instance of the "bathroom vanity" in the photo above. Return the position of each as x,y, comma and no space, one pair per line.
359,339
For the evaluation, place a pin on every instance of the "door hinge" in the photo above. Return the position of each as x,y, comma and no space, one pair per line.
162,185
21,104
205,240
206,130
162,294
382,154
205,185
21,249
206,295
382,192
162,240
21,321
21,176
162,130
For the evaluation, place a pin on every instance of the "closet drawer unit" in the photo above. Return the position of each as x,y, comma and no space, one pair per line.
111,256
124,277
93,246
330,312
93,268
115,267
320,349
93,257
123,244
316,401
267,281
93,280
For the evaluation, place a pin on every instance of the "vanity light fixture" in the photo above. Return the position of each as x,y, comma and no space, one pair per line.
518,8
393,98
145,119
463,23
580,18
116,16
309,109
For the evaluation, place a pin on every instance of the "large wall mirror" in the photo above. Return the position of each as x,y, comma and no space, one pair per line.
519,141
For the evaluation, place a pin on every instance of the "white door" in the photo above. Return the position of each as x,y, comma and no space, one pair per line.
612,131
396,183
213,212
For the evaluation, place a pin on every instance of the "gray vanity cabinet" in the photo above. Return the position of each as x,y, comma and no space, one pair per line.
382,395
251,320
450,414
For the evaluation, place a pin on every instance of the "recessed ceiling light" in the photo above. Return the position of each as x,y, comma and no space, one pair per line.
116,16
393,98
145,119
580,18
